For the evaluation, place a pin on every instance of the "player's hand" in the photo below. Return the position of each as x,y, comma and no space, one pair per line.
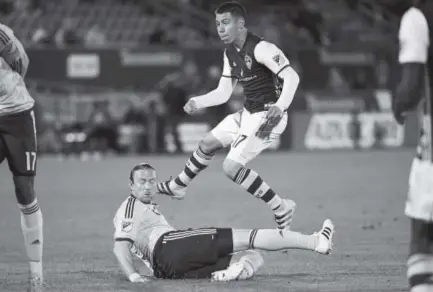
137,278
191,107
273,117
399,113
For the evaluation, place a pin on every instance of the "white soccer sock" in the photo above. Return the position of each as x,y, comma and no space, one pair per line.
273,240
32,228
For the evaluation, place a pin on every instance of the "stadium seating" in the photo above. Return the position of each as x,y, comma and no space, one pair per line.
189,22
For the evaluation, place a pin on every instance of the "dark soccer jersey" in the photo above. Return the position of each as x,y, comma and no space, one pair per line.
250,66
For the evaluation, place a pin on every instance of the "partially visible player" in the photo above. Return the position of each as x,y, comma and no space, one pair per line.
142,230
258,65
18,146
416,59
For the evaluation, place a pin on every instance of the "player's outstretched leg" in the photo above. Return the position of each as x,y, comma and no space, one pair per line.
420,262
272,240
32,228
251,181
199,161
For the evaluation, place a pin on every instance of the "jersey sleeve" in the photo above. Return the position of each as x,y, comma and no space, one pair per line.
413,37
12,51
125,224
271,56
227,69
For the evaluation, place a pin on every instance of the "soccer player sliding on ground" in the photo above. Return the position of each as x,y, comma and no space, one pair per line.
258,65
222,254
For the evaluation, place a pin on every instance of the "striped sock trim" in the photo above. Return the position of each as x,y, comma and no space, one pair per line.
202,154
30,208
241,175
253,235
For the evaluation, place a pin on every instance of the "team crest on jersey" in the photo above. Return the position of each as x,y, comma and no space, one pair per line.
248,61
126,226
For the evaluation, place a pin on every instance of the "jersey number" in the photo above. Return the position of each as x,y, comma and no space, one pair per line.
30,161
238,140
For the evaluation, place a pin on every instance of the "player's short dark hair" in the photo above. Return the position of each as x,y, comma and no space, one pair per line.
139,167
234,7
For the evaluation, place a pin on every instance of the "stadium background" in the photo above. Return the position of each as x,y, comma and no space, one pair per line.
111,77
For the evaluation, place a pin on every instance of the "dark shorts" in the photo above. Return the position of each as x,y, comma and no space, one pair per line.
18,142
192,253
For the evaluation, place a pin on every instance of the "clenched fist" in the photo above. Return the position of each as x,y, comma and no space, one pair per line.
191,107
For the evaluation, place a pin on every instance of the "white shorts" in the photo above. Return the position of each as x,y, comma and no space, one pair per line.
239,130
419,204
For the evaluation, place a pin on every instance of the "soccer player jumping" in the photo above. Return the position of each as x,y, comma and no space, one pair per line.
18,146
222,254
416,84
257,65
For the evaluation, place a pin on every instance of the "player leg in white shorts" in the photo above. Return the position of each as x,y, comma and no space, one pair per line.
239,131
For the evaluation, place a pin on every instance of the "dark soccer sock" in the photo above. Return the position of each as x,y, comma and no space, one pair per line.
32,228
198,161
254,184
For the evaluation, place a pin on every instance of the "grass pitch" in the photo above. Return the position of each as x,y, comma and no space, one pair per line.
362,192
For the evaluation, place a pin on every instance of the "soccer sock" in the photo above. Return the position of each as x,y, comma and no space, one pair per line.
32,228
273,240
254,184
198,161
252,262
420,272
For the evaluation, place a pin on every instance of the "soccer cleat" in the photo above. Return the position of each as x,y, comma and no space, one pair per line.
230,274
284,219
36,284
324,241
167,188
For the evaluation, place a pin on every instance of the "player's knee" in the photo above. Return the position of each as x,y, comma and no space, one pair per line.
24,189
209,144
231,168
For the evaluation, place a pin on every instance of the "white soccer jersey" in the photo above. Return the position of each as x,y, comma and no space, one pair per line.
141,224
14,96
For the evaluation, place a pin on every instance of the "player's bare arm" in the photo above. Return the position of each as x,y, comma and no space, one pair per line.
12,51
122,250
414,42
275,60
218,96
